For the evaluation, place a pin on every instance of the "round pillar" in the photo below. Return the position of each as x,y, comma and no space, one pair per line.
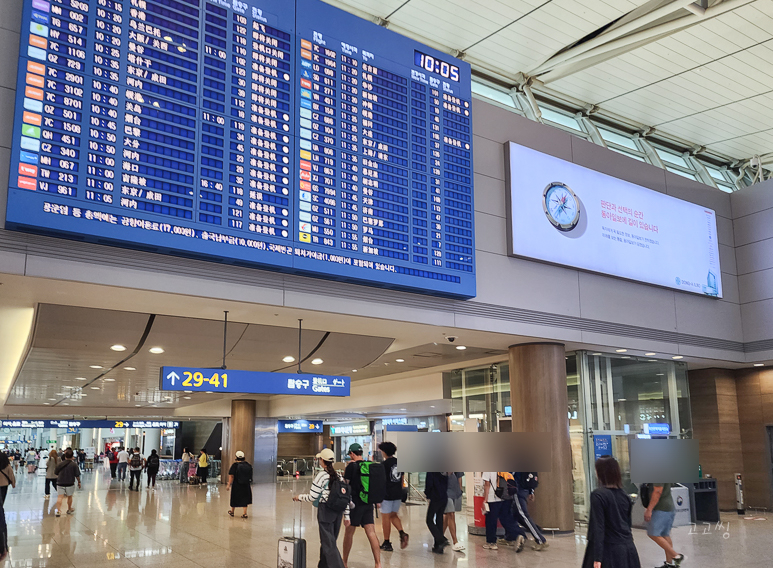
241,435
152,441
87,438
539,400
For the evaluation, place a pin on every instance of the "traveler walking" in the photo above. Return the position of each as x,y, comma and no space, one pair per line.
454,506
112,459
526,483
123,463
497,506
362,513
331,511
610,542
436,490
240,484
82,459
659,516
32,458
53,461
67,472
152,464
185,465
136,465
17,459
390,507
6,476
203,469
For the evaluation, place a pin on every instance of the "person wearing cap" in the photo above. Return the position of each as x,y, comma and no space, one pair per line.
240,484
362,514
329,521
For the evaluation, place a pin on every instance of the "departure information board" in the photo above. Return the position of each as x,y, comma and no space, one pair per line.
286,135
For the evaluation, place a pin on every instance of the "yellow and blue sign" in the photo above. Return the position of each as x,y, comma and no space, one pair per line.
251,382
299,426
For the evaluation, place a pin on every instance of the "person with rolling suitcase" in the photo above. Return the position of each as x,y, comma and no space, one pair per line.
332,497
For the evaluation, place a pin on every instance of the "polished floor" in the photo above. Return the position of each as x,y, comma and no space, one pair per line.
179,526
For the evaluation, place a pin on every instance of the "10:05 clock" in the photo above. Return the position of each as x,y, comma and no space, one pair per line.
435,65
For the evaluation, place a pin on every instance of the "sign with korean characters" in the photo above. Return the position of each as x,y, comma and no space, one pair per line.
251,382
299,426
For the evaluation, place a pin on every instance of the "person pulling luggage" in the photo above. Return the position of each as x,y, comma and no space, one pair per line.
332,497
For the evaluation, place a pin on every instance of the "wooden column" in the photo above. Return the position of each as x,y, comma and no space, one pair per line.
539,400
241,434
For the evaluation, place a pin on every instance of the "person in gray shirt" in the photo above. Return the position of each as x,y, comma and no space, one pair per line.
67,473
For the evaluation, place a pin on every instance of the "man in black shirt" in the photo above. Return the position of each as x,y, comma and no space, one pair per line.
394,496
362,514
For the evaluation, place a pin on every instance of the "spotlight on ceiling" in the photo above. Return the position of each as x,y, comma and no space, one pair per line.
289,359
118,348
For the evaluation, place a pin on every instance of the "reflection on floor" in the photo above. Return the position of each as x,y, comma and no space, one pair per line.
187,527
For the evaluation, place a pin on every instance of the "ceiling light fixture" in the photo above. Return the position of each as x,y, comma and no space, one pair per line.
188,392
289,359
759,364
461,347
137,405
187,397
52,399
596,354
129,369
95,388
95,366
80,378
118,348
47,403
400,360
69,387
354,370
650,354
65,404
208,392
621,350
156,350
109,380
626,357
403,409
317,361
678,357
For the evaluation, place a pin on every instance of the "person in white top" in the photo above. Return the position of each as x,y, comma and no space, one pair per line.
498,509
329,521
123,463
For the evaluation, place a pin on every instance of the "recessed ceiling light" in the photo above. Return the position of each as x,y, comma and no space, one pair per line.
52,399
59,394
317,361
596,354
659,374
289,359
652,360
118,348
626,357
621,350
95,388
461,347
95,366
129,369
188,392
65,404
156,350
403,409
137,405
650,354
759,364
354,370
187,397
80,378
208,392
400,360
432,406
678,357
109,380
47,403
69,387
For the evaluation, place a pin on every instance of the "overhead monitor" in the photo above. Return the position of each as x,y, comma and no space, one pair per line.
288,135
563,213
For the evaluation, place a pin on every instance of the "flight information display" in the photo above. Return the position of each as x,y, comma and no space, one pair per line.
277,134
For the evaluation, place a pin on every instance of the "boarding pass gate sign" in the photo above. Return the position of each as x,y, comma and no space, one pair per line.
251,382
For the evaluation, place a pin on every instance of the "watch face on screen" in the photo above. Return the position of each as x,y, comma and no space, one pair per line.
561,206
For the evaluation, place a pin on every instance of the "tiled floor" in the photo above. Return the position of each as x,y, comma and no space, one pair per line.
181,526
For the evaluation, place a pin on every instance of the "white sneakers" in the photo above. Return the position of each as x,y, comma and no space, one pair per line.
458,547
488,546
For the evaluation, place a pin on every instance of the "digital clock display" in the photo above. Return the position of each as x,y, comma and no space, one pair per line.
435,65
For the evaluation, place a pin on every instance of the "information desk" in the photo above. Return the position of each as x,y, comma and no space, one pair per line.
284,134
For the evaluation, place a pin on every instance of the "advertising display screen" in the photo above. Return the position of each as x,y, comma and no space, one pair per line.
284,134
563,213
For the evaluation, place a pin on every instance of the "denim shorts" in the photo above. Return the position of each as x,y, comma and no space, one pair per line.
390,506
661,522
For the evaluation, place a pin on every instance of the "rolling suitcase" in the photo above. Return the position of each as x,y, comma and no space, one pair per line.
291,552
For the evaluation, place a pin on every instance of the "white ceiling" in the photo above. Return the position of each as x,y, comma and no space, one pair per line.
709,83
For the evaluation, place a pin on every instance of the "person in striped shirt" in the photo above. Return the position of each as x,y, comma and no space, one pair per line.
329,521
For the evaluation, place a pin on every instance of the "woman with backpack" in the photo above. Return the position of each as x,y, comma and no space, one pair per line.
610,542
240,484
151,467
332,497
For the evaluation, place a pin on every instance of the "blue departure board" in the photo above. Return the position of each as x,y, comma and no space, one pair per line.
284,135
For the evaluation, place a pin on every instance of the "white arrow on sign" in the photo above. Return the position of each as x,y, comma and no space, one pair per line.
173,377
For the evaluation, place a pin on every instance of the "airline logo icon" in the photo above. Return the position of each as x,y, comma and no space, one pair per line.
306,176
30,144
305,44
36,52
305,64
28,170
304,227
27,183
305,155
28,157
305,165
29,130
305,83
40,18
41,5
305,144
305,123
304,216
305,94
305,186
32,118
305,54
304,237
305,196
34,80
305,103
305,113
38,41
38,29
36,68
33,93
305,74
33,105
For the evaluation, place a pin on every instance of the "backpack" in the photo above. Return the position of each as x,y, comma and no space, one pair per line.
153,460
372,478
529,480
243,474
340,495
504,488
135,461
645,494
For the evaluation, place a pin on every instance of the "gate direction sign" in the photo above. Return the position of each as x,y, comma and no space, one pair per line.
197,379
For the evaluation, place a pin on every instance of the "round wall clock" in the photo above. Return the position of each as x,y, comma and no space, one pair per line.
561,206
